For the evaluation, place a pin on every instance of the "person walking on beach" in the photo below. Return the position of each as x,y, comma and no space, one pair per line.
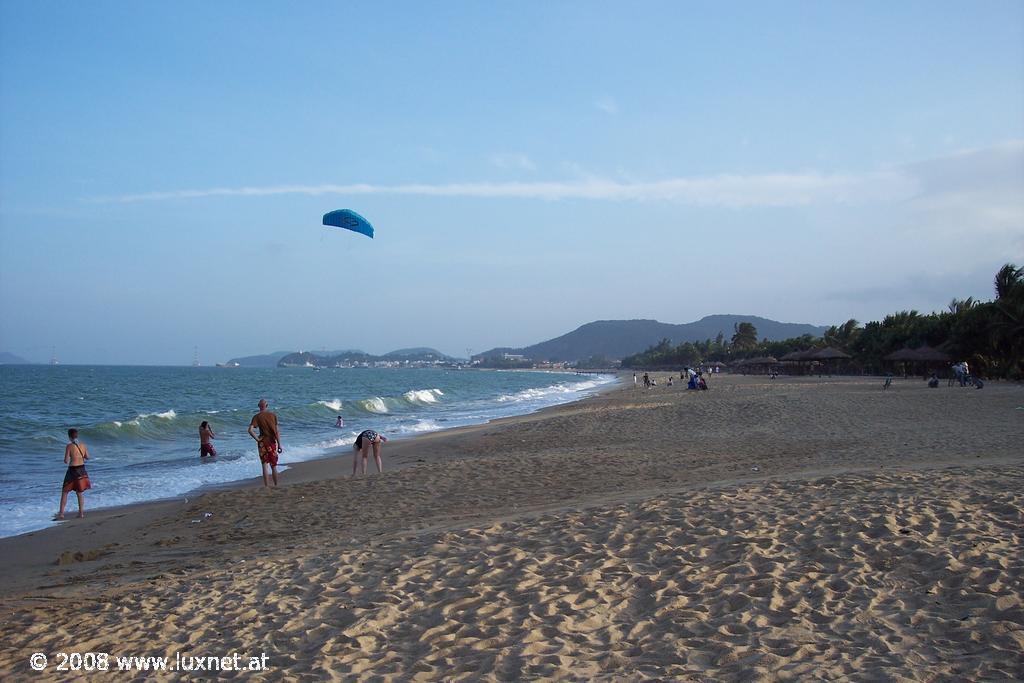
367,439
268,439
205,436
76,479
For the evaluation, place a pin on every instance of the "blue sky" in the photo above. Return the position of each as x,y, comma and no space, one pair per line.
529,167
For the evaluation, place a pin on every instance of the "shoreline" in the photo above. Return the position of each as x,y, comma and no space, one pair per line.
30,550
293,467
796,525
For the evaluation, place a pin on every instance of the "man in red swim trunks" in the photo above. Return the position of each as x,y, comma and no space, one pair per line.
269,439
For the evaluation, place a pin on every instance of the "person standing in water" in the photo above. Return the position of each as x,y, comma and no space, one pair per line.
268,439
76,479
205,436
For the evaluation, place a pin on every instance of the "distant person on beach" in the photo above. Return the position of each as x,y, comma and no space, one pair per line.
647,381
340,423
268,439
205,436
670,380
76,479
634,380
367,440
933,381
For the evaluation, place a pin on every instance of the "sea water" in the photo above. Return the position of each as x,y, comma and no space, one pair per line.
141,423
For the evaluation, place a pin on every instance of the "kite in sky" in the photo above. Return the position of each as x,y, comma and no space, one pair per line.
350,220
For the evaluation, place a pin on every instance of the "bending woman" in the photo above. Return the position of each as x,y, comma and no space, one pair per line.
366,440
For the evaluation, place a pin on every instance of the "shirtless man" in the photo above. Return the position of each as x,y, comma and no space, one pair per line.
205,435
268,439
76,479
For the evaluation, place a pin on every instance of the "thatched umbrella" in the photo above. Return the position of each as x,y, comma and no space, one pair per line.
904,354
794,360
829,353
829,356
760,363
927,354
929,357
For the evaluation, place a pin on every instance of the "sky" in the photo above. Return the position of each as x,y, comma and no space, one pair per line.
529,167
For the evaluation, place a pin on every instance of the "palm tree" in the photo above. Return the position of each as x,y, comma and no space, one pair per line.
745,337
960,306
1007,326
1009,280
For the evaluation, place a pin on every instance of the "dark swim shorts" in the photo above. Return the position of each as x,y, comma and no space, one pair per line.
207,449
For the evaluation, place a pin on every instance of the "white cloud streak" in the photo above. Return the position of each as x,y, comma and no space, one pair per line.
607,104
988,180
724,190
519,162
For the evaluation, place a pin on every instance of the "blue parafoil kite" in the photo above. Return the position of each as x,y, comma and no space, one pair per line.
350,220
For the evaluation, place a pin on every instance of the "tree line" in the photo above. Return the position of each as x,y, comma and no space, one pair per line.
987,334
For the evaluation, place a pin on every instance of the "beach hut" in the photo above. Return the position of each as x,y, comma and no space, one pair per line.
799,362
904,357
793,362
760,365
830,357
930,358
922,357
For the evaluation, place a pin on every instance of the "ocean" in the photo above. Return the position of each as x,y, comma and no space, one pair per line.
141,423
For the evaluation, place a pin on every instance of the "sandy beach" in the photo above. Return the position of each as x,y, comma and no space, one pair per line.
763,530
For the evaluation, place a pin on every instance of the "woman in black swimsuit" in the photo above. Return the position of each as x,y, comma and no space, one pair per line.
367,440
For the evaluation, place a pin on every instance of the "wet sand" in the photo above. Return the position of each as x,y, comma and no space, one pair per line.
766,529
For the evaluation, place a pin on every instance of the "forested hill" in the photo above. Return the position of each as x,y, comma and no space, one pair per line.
616,339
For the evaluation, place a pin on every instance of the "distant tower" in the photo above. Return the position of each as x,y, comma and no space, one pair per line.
469,355
195,356
53,355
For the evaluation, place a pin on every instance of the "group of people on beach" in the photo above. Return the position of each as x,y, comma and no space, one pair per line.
263,428
694,379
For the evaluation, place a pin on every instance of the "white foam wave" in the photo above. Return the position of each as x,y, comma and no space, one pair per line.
423,395
375,405
333,404
554,390
336,443
419,426
166,415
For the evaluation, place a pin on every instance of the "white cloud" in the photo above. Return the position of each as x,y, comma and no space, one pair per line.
607,104
974,185
514,161
723,190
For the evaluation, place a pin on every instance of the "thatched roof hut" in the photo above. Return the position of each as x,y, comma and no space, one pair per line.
828,353
904,354
927,354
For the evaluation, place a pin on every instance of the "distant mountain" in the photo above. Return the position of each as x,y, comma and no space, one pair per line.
621,338
268,360
349,358
11,359
418,353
